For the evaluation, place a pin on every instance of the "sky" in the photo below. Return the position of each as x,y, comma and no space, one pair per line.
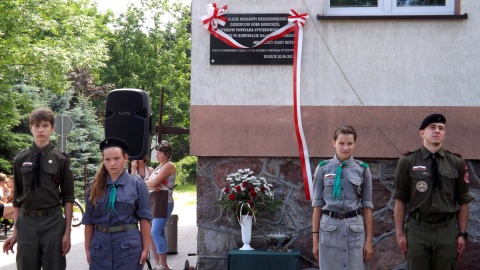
119,6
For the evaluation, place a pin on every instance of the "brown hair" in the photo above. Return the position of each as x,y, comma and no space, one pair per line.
99,182
42,114
165,147
347,130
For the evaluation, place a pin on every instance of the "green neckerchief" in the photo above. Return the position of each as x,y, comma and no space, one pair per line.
337,188
111,200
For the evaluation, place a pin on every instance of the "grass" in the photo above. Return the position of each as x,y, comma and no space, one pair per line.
186,191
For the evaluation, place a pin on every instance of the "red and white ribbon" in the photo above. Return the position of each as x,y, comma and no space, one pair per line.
295,23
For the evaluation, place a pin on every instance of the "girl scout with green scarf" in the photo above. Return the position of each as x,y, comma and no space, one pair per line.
342,207
116,203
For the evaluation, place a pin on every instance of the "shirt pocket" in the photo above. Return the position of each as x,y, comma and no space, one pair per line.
356,185
100,207
448,181
125,205
356,237
421,181
52,171
329,235
26,170
130,249
96,249
328,188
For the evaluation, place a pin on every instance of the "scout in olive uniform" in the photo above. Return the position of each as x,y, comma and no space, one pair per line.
43,182
116,203
431,186
342,193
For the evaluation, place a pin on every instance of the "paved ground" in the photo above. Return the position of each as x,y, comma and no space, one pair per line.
185,209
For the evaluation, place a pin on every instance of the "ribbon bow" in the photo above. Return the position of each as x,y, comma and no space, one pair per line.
296,18
215,17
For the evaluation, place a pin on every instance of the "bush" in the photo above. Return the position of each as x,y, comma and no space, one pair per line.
187,170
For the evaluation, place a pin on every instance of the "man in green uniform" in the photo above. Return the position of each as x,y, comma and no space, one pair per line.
43,182
431,185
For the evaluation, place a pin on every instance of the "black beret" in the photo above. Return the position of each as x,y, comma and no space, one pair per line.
111,142
433,118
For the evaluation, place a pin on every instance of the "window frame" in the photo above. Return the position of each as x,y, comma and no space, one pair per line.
390,8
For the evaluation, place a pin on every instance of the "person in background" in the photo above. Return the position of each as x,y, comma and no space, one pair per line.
43,182
432,187
6,209
115,203
9,184
342,193
141,169
161,184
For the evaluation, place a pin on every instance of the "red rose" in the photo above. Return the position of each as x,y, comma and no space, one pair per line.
245,184
262,189
251,188
232,197
226,190
238,188
253,193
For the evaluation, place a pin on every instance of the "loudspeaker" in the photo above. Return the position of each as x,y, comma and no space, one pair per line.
128,117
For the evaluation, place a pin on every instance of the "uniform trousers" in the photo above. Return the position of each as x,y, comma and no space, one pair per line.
341,243
431,246
39,242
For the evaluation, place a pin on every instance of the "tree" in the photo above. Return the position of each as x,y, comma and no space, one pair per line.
83,141
41,41
154,53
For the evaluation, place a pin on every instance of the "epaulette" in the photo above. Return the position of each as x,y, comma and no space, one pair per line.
408,153
456,154
363,164
323,162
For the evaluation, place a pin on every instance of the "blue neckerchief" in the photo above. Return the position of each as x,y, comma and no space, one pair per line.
337,188
111,199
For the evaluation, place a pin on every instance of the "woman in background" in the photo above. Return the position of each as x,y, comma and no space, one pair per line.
161,185
115,203
141,169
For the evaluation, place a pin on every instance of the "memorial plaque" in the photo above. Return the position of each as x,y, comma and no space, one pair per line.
249,30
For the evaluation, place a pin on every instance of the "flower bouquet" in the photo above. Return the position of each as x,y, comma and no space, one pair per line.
246,194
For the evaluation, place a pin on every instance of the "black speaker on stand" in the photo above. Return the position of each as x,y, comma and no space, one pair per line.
128,117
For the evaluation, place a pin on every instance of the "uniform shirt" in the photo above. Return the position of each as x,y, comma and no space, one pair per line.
56,179
413,182
356,183
131,203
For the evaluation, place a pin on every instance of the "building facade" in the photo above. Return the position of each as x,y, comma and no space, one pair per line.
381,69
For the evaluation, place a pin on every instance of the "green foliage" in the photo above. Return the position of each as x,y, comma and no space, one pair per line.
41,41
83,142
186,170
14,110
155,55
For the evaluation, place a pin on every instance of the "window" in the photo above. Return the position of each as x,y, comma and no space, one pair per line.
389,7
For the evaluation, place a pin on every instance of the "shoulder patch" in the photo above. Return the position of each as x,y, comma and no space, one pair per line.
409,152
323,162
363,164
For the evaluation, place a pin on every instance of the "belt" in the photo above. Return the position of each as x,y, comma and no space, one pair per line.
106,229
431,219
41,213
339,215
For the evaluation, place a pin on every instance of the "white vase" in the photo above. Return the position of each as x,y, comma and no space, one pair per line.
246,225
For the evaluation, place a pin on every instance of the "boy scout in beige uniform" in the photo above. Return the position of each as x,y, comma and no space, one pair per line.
431,186
43,183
